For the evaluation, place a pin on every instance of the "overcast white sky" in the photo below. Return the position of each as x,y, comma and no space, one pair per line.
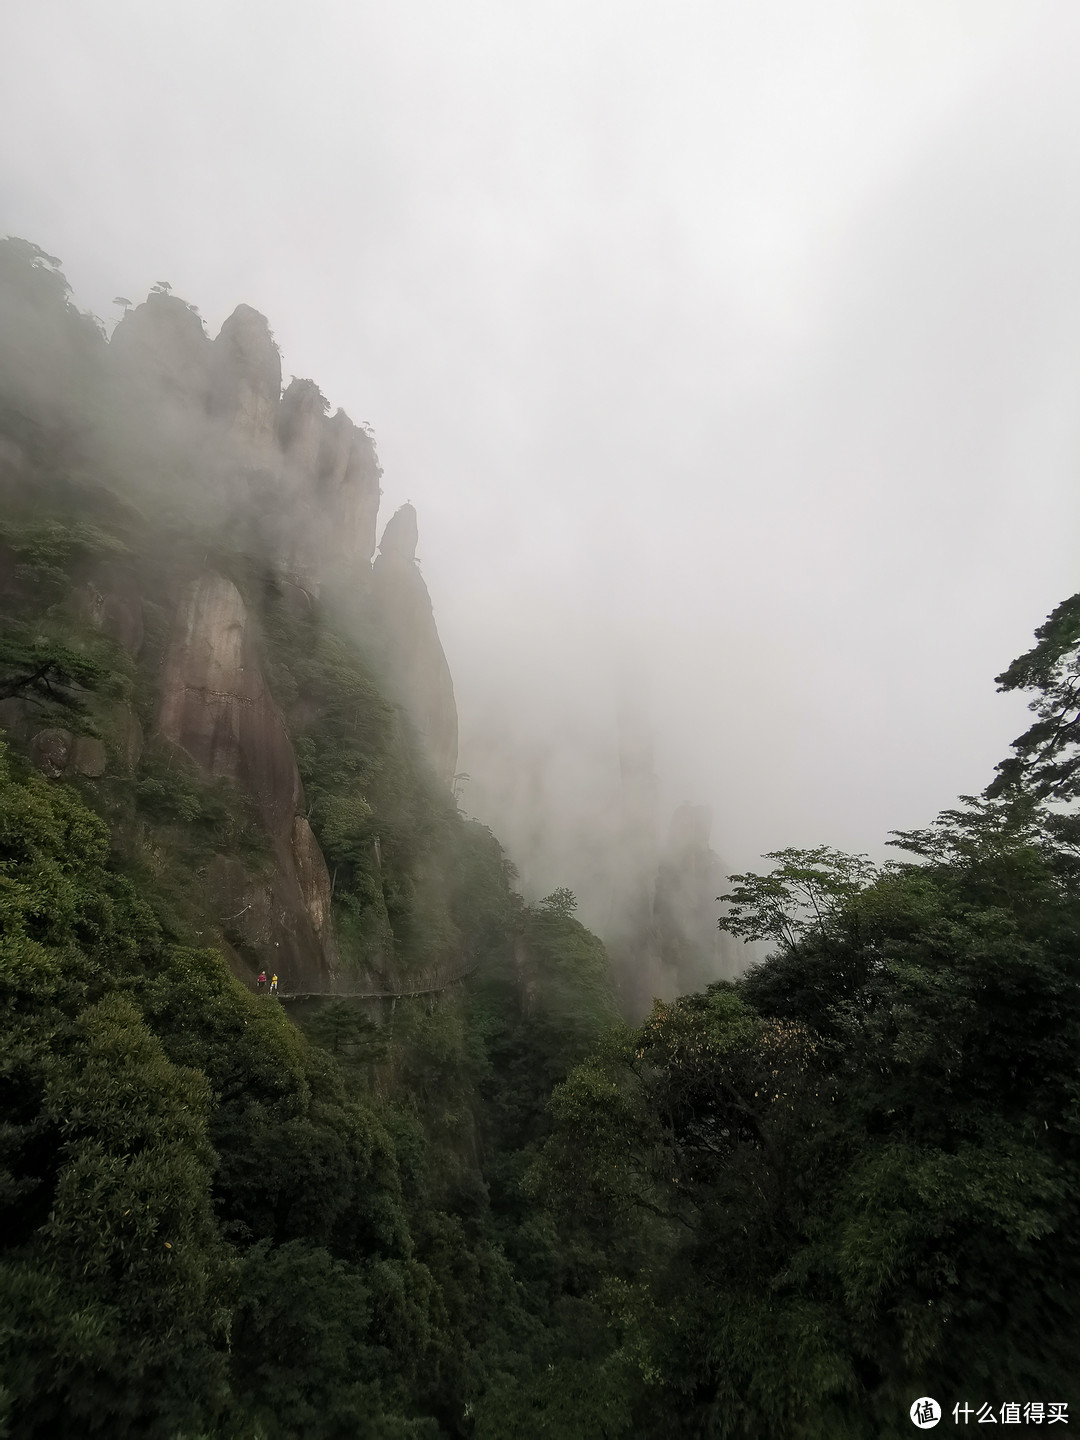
729,351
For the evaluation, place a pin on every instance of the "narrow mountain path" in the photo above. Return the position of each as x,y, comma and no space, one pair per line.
374,994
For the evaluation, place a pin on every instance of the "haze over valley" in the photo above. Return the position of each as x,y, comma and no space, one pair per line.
479,484
729,359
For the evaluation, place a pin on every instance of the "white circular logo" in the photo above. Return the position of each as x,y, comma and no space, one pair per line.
925,1413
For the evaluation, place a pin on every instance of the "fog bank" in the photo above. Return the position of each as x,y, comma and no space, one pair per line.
728,354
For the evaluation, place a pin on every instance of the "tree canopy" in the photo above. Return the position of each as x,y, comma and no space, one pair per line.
1047,755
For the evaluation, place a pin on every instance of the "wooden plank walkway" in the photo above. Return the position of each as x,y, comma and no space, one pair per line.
371,994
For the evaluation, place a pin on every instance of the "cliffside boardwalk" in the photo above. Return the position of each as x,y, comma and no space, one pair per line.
447,984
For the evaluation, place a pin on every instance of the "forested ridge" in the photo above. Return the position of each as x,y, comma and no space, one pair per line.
783,1207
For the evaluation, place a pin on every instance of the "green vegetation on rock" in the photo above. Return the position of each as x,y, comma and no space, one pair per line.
477,1205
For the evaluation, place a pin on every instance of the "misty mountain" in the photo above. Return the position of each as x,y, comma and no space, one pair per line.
166,417
314,1127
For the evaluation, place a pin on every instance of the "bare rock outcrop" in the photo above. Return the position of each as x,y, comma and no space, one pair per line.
161,349
413,660
329,491
50,751
400,537
87,757
315,886
215,705
300,432
264,917
245,387
203,427
347,494
301,531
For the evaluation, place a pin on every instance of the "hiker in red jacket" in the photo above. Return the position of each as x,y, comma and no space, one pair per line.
261,981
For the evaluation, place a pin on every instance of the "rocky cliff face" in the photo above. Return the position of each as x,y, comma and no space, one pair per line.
215,705
50,354
348,493
413,659
329,491
203,426
160,348
304,485
245,388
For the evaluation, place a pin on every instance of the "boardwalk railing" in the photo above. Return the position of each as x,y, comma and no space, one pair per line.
374,994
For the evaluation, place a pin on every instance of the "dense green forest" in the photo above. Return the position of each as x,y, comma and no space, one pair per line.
783,1207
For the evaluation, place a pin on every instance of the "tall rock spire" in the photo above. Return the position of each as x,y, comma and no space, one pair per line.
688,881
245,386
413,659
